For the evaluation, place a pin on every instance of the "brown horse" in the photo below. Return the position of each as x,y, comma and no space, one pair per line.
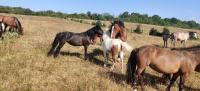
13,23
118,30
177,63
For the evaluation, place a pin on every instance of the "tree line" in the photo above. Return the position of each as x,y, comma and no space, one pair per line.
125,16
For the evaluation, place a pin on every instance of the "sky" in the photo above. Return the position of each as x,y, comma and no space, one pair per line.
181,9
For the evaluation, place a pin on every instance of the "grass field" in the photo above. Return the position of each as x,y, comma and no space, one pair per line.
25,67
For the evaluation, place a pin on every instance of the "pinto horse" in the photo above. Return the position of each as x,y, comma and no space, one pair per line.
75,39
182,37
115,47
178,63
13,23
118,30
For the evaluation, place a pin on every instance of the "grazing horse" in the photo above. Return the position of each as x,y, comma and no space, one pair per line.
178,63
118,30
13,23
1,31
75,39
165,39
182,37
115,47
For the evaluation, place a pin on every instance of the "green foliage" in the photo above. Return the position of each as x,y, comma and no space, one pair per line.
126,16
153,31
165,31
138,30
98,23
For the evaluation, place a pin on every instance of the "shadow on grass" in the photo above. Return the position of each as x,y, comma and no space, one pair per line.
76,54
186,88
116,77
93,57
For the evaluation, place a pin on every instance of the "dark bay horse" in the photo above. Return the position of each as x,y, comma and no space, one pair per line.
13,23
165,39
75,39
178,63
118,30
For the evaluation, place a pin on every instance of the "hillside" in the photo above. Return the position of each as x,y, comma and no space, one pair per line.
24,65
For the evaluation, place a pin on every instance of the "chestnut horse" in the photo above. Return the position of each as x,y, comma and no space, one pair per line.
75,39
177,63
118,30
13,23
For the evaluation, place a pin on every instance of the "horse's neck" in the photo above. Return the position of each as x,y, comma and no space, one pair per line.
195,58
106,35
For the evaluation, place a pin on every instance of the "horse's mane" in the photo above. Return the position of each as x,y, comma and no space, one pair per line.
91,31
118,22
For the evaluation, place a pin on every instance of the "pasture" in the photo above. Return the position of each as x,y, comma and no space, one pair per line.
24,65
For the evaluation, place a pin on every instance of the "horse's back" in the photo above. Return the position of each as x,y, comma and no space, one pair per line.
160,59
181,35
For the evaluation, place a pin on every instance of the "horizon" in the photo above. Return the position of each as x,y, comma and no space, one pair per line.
183,10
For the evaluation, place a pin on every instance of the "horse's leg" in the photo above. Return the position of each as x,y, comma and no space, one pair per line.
105,57
5,26
85,53
58,48
182,81
175,76
139,77
166,43
122,59
184,43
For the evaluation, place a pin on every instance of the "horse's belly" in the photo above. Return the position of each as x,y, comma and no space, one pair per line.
165,66
75,42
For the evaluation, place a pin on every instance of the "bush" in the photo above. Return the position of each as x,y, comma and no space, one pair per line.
165,31
138,30
154,32
81,21
98,23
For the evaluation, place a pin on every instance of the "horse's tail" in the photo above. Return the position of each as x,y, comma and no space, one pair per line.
126,46
19,26
131,66
54,44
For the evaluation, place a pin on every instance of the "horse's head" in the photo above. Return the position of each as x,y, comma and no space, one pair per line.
21,31
97,33
193,35
118,30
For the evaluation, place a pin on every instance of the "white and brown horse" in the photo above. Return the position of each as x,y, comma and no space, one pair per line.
182,37
115,47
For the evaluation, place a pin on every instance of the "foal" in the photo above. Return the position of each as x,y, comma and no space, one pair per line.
115,47
178,63
75,39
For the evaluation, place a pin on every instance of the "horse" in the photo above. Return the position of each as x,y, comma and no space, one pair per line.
165,39
115,47
13,23
182,37
1,31
76,39
118,30
175,62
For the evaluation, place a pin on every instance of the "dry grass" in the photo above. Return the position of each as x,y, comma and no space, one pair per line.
24,65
